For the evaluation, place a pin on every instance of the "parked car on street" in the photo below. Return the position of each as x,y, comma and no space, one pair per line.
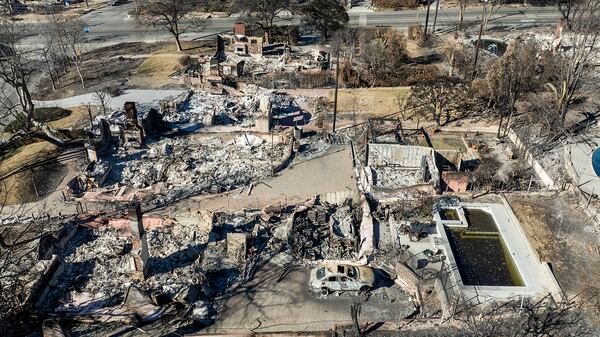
339,277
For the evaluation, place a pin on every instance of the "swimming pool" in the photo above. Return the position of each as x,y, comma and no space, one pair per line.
480,253
596,161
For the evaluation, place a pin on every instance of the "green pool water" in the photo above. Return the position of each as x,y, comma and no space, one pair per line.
481,254
449,214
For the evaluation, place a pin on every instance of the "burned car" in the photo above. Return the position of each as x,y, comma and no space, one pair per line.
339,277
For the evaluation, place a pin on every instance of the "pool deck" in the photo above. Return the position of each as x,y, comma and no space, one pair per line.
536,275
581,159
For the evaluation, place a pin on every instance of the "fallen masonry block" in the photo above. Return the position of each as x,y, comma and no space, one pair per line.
44,273
237,246
93,176
177,103
141,304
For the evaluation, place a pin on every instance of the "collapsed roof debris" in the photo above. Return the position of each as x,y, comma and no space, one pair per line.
201,162
325,232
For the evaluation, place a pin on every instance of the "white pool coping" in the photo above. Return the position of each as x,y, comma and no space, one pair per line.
535,274
581,159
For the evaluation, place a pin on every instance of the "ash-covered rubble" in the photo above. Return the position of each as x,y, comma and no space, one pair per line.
196,108
391,177
192,259
210,109
326,231
298,59
205,163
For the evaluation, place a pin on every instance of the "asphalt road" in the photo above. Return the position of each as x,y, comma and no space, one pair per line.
111,25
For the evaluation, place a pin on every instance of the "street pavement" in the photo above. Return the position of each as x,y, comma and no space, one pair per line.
112,24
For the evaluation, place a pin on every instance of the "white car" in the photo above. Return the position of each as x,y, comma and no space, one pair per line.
339,277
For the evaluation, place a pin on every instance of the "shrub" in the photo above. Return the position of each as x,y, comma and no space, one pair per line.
297,80
289,34
185,60
415,32
421,74
115,91
395,4
41,115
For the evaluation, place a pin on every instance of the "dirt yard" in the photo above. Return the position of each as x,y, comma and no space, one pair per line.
560,233
73,11
445,141
155,71
79,118
19,188
126,65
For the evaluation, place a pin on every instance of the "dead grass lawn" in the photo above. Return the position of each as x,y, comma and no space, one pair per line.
154,72
189,48
19,188
78,118
28,154
445,142
369,102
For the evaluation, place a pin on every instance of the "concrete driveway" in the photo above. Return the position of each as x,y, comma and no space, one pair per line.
131,95
265,305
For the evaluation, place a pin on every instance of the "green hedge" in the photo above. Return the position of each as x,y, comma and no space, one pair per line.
395,4
42,115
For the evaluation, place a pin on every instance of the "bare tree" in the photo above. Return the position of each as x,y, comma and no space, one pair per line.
17,64
437,100
381,58
16,68
355,314
489,9
74,39
50,51
262,13
102,97
511,76
20,254
325,15
461,13
401,101
55,33
170,15
6,6
524,318
573,67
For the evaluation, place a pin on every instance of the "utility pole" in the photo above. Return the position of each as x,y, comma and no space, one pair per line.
427,19
337,84
272,153
437,7
478,45
88,108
